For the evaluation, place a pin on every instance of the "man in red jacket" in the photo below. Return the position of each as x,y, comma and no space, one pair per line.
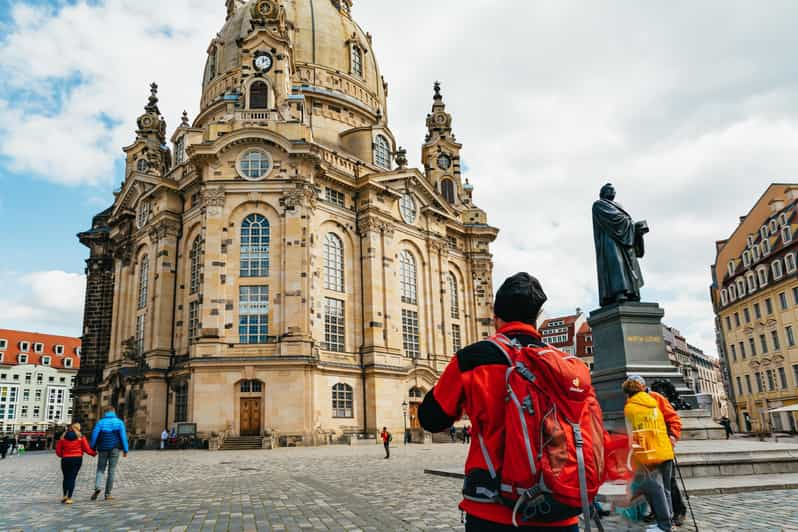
474,382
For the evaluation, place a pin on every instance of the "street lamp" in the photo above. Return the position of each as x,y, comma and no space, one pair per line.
404,413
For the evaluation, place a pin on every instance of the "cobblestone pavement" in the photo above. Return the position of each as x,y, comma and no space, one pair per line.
335,488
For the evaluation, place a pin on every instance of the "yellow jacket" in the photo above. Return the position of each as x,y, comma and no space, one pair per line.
648,433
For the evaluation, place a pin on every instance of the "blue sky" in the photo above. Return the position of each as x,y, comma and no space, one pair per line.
689,118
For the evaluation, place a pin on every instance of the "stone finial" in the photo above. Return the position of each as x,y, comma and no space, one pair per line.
401,157
184,120
152,104
437,88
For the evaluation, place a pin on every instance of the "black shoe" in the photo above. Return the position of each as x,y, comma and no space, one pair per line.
650,518
95,495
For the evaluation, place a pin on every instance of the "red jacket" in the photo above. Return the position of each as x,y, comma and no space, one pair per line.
672,420
474,381
70,446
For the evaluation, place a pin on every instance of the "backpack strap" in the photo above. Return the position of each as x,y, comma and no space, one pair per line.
580,460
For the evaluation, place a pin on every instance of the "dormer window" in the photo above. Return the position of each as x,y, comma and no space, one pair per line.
762,274
731,268
766,247
763,232
755,254
776,269
724,298
751,240
747,258
67,362
786,234
783,218
741,286
751,279
382,152
24,346
59,350
789,263
46,361
773,226
357,60
22,358
38,347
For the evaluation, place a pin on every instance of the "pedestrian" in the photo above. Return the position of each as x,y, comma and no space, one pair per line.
13,444
386,441
652,450
474,381
107,438
164,437
726,424
467,433
453,433
70,449
4,445
673,423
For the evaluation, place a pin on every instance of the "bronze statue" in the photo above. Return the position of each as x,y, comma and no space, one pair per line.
619,243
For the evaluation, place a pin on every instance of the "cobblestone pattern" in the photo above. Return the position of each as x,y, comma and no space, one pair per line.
335,488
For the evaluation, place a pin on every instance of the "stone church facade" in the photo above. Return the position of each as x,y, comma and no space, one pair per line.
275,267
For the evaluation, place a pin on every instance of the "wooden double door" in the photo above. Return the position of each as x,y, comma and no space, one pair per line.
250,416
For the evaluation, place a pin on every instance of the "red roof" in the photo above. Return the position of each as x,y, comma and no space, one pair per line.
14,343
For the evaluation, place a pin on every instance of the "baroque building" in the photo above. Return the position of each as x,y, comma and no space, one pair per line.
275,267
755,296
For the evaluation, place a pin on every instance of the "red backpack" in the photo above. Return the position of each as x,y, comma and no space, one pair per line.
554,437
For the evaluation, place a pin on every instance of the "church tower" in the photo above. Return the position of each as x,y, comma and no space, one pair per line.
279,272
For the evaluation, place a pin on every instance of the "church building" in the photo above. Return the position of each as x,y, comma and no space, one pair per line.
275,267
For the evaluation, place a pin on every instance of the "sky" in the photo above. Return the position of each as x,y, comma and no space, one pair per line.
690,109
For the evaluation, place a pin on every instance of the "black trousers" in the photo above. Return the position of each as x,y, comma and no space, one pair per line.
387,446
475,524
70,468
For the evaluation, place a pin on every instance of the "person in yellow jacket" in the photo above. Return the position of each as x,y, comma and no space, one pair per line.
651,452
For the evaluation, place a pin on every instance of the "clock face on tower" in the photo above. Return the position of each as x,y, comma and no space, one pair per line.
263,62
444,161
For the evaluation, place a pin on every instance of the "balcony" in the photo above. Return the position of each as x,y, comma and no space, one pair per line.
260,115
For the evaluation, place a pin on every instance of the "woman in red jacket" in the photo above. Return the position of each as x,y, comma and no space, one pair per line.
70,449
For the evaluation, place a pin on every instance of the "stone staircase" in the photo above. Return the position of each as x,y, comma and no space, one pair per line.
242,443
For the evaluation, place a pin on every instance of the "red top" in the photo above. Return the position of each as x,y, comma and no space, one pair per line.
474,382
65,448
385,435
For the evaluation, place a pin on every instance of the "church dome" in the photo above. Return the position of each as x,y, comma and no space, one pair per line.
330,54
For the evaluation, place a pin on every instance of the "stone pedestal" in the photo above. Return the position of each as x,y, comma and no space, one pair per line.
627,339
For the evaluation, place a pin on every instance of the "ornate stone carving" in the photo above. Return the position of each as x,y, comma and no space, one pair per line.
302,195
163,229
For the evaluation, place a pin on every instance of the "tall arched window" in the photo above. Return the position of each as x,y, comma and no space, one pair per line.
181,402
195,257
447,189
407,278
144,278
258,95
342,400
454,301
255,246
382,152
357,61
333,263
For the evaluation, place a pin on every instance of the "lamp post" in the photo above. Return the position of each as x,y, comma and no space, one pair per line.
404,413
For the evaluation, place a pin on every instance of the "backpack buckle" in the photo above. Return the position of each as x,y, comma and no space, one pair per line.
524,371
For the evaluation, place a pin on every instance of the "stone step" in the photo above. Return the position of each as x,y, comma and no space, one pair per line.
242,443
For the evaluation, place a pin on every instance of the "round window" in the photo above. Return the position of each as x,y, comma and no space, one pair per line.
254,164
407,206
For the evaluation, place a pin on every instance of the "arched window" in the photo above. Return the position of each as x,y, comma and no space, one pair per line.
724,298
407,278
195,257
454,302
142,165
342,400
255,246
333,263
416,394
258,95
144,277
447,189
357,61
382,152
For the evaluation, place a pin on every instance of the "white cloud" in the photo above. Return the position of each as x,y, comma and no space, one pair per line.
49,302
690,116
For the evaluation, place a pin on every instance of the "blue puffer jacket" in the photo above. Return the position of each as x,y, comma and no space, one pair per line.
109,433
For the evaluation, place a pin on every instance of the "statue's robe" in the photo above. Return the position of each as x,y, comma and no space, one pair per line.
614,233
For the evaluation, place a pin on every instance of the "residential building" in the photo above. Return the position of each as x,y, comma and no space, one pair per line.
279,268
37,373
755,297
571,334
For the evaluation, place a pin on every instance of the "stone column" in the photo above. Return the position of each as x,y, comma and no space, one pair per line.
371,262
164,237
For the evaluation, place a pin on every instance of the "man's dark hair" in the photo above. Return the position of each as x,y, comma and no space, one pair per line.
519,298
109,408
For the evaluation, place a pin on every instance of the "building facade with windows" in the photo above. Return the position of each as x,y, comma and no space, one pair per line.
280,268
755,296
37,373
571,334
